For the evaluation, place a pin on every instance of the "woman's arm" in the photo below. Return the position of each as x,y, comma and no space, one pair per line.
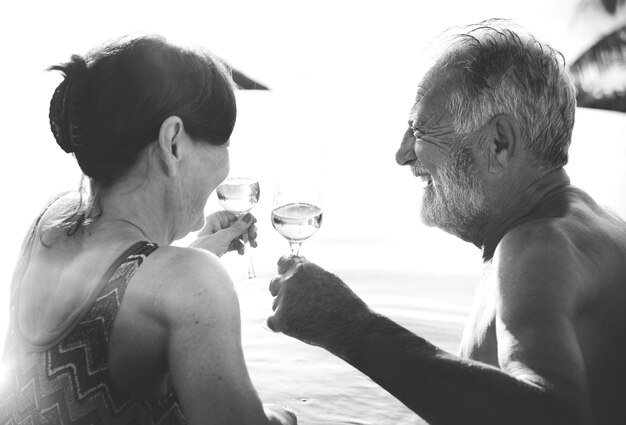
203,345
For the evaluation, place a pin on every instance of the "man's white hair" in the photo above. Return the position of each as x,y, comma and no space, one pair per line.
507,71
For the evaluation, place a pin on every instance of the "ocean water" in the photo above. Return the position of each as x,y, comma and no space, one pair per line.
321,388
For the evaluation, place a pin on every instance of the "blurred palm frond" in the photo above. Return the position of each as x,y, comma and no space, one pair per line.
600,72
611,6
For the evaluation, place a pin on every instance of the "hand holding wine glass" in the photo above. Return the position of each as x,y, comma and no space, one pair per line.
224,232
238,195
296,213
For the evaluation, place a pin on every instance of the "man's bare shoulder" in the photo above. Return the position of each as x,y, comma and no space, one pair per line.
582,232
538,262
573,258
545,239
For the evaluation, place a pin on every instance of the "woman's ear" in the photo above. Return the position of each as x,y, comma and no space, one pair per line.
170,134
505,136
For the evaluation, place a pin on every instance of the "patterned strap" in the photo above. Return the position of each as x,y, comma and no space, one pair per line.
126,263
115,282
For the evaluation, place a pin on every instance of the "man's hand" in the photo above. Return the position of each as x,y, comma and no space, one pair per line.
313,305
223,232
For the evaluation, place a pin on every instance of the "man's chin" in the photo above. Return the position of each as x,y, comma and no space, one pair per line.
427,219
431,216
439,219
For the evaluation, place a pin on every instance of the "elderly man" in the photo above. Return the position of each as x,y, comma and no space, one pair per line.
546,339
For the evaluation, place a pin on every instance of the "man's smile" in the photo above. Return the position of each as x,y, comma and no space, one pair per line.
424,176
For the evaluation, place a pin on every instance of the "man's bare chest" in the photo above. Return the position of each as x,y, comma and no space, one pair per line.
479,341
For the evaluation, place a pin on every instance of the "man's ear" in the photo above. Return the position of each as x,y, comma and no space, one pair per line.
170,135
505,136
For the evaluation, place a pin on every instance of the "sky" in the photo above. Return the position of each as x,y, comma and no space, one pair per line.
333,66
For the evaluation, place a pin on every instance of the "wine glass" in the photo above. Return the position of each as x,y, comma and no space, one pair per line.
238,195
296,213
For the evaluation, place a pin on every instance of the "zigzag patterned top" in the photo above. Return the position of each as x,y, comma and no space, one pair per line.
69,382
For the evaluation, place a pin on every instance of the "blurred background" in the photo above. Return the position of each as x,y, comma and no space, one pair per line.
341,77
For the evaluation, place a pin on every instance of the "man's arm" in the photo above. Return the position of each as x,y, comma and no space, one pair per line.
542,380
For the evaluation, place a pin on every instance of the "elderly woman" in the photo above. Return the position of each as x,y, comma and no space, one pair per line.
110,323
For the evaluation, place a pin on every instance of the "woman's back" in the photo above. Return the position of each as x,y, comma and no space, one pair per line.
64,305
60,276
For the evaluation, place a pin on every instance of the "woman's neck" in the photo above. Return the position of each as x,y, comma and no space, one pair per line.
140,209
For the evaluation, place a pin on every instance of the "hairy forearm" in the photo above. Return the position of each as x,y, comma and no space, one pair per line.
438,386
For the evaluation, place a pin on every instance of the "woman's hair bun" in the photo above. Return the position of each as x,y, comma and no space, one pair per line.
67,105
112,102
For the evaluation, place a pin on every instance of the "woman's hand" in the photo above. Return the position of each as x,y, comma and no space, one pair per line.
223,232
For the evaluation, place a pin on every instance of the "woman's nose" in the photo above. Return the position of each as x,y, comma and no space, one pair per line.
406,153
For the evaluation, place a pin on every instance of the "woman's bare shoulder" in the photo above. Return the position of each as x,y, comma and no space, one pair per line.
185,281
188,266
60,205
49,225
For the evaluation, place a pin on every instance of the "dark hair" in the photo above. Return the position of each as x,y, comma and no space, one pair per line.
508,71
112,103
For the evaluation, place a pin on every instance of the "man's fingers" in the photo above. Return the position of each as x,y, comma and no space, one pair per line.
287,262
284,263
271,323
275,285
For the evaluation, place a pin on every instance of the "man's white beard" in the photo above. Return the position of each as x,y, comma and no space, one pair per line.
457,204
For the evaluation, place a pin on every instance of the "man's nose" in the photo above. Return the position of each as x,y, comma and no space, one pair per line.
406,153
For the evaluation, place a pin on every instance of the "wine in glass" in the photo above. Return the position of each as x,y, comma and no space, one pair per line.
238,195
296,214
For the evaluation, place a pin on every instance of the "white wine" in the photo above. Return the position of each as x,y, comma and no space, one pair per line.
238,195
297,221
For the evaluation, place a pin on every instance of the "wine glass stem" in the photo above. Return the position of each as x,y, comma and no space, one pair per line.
247,253
295,248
